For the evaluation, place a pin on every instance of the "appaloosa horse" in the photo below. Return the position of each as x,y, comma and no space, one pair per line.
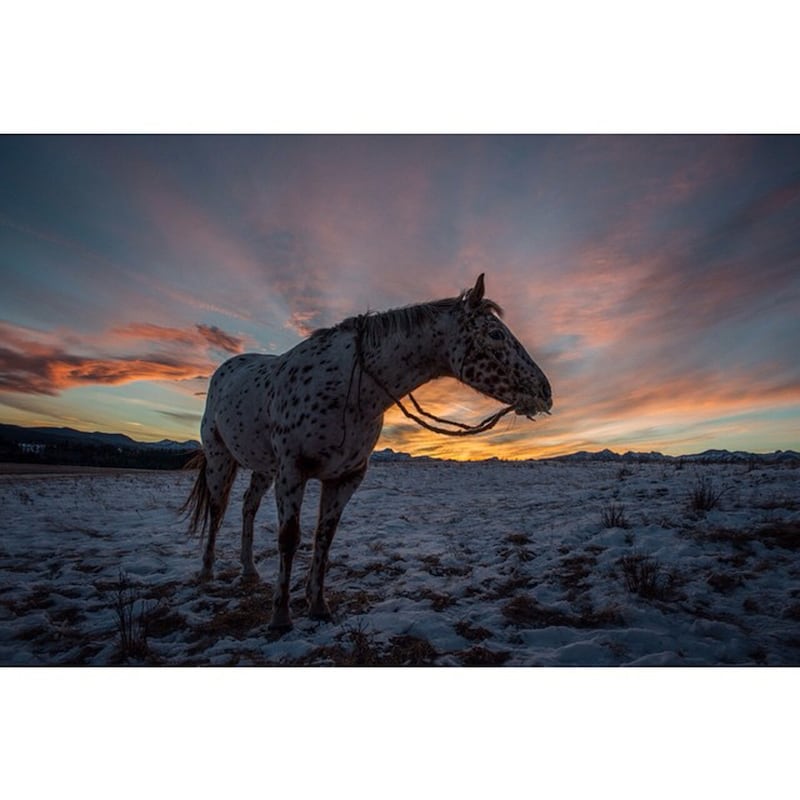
317,411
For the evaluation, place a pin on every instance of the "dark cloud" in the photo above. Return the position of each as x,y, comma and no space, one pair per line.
182,416
216,337
199,335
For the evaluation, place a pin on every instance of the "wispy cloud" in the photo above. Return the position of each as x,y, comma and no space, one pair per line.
34,363
55,371
196,336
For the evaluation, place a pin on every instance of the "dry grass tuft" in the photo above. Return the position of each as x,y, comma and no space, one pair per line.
614,517
704,495
133,617
645,576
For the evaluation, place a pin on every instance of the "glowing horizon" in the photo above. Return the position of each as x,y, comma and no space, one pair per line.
655,279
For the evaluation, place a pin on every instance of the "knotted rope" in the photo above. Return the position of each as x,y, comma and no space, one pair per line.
464,430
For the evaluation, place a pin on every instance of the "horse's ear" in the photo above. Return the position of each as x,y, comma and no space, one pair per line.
475,294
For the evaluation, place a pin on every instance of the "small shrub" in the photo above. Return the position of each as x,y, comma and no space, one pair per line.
131,623
614,516
705,496
362,649
643,575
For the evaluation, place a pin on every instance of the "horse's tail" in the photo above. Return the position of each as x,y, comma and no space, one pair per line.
201,506
198,503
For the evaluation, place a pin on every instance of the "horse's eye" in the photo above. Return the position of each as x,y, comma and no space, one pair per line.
496,334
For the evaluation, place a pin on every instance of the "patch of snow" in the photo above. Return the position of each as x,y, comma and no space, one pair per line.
449,563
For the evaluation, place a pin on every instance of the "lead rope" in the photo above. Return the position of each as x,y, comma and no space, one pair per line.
465,430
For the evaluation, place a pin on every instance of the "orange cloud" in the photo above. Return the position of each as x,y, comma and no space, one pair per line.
50,373
35,362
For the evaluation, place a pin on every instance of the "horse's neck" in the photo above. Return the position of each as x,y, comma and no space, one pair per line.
404,361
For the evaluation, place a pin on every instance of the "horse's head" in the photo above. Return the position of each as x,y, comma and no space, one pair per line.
486,356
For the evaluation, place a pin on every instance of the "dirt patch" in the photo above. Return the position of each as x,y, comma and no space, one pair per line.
525,612
572,573
724,582
481,657
358,649
475,633
785,535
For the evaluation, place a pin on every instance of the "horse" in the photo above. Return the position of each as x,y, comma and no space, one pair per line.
316,412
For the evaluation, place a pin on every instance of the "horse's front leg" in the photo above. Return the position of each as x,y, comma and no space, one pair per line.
289,489
334,497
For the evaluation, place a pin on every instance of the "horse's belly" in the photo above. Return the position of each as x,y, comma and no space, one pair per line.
332,458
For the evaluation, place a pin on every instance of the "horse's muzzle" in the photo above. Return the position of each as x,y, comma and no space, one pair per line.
531,406
537,399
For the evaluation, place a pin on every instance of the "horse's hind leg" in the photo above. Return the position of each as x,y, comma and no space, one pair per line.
215,520
220,474
259,483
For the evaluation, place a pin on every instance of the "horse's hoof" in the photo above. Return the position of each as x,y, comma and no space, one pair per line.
205,574
250,575
281,622
320,615
279,628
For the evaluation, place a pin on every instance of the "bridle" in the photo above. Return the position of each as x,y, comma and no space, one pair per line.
463,429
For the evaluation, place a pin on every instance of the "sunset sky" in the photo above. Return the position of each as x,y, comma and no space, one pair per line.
655,279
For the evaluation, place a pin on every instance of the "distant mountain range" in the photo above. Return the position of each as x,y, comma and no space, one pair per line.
37,443
47,436
66,446
707,456
583,456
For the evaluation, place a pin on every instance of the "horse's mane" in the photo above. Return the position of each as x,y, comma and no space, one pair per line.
378,325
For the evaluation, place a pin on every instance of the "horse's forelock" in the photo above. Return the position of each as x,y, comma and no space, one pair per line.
485,306
490,307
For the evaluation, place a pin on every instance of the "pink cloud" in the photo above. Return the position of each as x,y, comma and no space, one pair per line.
198,335
35,362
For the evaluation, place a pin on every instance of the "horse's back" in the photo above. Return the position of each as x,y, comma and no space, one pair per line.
237,372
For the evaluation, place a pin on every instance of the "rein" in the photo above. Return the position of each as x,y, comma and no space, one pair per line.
464,430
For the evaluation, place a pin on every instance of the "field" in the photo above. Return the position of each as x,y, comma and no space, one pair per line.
528,564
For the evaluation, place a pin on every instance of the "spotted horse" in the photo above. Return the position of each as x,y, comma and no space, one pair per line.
316,412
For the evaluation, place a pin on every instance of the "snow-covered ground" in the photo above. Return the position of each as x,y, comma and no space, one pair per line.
539,563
